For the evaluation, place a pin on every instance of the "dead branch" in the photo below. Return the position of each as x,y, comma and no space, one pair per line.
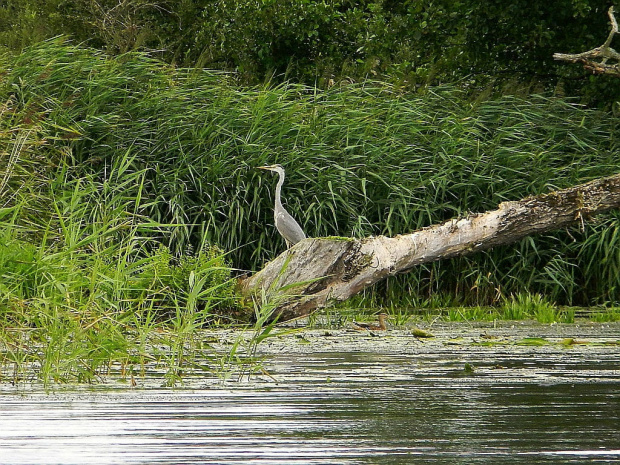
596,60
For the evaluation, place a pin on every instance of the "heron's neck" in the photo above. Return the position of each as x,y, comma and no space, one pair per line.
279,190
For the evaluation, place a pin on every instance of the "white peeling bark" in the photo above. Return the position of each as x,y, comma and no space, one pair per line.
318,271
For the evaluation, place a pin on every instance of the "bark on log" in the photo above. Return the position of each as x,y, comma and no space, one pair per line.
317,271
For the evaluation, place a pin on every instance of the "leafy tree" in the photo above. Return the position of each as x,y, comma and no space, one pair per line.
413,43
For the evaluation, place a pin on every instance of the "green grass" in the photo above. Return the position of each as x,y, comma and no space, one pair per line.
521,307
605,316
86,284
533,306
361,159
129,190
471,314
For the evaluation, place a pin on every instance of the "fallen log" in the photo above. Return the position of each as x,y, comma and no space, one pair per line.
318,271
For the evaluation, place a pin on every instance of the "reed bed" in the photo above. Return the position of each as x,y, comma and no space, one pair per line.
361,159
87,288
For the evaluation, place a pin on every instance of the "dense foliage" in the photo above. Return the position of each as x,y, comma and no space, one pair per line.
361,159
410,43
128,180
84,283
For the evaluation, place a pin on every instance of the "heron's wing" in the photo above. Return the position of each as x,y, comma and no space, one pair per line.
288,227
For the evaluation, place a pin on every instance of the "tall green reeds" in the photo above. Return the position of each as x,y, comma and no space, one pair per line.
84,283
361,159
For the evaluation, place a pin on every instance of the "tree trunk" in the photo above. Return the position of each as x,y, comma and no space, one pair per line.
318,271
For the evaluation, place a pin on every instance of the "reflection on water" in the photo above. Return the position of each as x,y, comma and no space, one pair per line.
340,408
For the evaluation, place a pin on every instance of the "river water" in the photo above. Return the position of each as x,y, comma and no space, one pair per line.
456,400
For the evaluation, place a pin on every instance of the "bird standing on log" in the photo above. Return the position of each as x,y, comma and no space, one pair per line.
285,223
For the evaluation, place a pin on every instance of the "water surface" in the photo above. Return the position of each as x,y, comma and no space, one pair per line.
417,404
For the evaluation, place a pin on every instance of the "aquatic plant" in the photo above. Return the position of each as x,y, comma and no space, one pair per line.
361,159
86,284
128,190
606,315
524,306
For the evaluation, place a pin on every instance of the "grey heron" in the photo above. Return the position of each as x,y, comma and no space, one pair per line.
285,223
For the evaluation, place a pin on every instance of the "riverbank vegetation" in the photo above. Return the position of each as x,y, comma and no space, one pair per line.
182,148
131,202
495,46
